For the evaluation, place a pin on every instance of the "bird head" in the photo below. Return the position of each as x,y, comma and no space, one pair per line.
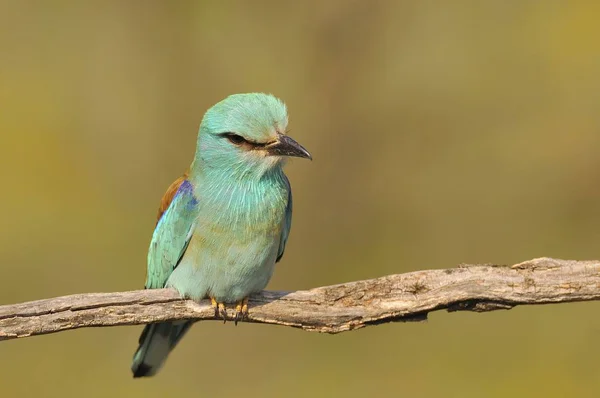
246,133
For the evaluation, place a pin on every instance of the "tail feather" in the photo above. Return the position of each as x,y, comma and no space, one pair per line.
156,341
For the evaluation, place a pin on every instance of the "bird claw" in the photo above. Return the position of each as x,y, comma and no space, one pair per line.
241,311
223,311
220,309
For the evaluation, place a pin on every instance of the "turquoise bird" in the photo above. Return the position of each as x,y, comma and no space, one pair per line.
224,224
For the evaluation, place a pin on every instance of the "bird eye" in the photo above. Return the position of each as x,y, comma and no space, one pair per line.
234,138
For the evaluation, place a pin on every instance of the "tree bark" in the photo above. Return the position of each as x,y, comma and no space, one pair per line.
329,309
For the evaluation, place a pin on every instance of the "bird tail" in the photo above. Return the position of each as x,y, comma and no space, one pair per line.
156,341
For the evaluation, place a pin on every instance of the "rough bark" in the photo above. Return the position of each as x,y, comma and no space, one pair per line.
330,309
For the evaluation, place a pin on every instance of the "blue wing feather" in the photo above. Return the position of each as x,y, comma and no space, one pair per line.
287,224
169,243
171,236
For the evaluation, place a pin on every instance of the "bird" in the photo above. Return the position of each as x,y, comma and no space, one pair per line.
224,224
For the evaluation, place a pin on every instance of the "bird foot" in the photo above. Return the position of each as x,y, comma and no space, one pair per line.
220,309
241,310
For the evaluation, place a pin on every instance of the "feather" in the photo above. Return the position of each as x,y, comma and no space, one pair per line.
170,194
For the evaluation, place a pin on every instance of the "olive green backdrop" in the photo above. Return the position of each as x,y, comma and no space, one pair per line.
442,133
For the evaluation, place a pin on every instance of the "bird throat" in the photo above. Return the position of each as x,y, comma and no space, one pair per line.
242,201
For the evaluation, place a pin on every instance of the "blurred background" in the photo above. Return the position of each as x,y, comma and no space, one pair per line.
442,133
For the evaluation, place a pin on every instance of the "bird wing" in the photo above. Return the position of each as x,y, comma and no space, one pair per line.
173,232
287,223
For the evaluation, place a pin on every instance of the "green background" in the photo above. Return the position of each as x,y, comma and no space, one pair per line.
443,132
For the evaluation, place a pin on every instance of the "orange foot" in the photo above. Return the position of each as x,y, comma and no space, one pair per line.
241,310
220,309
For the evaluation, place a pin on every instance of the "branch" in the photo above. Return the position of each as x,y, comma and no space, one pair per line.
330,309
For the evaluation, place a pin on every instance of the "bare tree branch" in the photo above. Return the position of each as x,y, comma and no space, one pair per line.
330,309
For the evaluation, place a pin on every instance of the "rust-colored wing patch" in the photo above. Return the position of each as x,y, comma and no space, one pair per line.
170,194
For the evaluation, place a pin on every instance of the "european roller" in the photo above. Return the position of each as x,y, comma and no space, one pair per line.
224,224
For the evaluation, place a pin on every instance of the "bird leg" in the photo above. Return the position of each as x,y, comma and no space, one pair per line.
220,309
241,310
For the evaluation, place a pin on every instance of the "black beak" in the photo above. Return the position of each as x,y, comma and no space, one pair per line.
286,146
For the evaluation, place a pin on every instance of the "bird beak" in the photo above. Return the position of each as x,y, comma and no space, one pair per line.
286,146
